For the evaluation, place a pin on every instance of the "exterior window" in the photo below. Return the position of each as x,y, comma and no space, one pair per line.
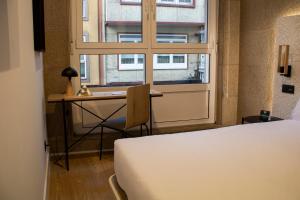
162,2
85,15
163,61
131,61
196,71
176,2
131,1
170,61
84,64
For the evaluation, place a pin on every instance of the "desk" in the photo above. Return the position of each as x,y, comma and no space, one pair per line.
97,96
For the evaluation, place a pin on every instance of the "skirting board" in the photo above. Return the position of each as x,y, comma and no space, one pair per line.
47,177
117,190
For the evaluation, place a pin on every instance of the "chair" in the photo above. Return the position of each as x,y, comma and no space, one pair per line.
137,113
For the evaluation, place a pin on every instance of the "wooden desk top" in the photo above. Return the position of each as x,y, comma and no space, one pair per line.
54,98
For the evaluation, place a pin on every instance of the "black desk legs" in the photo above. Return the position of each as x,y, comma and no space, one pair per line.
150,115
65,135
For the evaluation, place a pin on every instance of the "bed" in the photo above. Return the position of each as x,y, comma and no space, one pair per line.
253,161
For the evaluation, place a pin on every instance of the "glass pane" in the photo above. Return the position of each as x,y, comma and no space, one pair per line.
113,70
106,20
182,69
186,20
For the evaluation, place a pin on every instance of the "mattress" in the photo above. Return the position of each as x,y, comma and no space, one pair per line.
247,162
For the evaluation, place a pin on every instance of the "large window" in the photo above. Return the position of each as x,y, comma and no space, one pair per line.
131,41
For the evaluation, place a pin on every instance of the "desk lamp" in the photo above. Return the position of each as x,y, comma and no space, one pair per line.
69,72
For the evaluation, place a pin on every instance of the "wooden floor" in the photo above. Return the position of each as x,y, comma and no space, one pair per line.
86,180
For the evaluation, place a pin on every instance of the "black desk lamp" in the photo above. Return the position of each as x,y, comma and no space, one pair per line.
69,72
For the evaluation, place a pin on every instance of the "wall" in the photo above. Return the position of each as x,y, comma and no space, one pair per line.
258,19
22,125
287,32
56,58
228,61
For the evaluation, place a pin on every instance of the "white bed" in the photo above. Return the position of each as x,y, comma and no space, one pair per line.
248,162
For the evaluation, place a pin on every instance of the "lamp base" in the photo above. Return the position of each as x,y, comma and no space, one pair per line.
69,89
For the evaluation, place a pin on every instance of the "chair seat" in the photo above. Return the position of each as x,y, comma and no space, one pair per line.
117,123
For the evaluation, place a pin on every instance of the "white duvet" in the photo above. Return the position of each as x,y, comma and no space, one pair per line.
248,162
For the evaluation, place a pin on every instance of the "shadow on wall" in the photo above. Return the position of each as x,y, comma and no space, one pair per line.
4,37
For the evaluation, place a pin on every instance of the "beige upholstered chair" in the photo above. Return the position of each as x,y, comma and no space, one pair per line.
137,113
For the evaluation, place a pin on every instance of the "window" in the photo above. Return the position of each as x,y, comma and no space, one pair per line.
176,2
104,70
170,44
165,2
168,61
130,61
85,12
196,69
130,1
84,65
120,37
113,17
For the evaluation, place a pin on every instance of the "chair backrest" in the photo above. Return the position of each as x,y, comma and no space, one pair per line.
137,105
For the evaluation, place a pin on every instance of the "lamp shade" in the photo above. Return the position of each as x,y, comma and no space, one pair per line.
69,72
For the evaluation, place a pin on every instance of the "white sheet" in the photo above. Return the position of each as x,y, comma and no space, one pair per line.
248,162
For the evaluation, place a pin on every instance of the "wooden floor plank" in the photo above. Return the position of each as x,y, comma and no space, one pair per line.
86,180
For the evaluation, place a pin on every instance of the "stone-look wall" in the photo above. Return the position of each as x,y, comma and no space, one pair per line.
258,19
56,58
287,32
228,67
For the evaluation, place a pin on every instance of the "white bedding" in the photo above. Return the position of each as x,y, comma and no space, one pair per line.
248,162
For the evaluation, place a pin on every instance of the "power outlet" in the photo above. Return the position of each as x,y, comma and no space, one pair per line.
289,89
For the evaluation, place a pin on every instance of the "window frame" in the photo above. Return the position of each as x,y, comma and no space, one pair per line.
149,46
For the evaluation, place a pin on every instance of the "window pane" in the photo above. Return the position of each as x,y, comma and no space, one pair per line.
127,59
182,69
178,59
187,17
163,59
103,19
114,70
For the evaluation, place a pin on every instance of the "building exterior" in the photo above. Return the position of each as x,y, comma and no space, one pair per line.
120,21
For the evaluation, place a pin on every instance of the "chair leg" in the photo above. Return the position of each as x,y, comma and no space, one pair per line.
141,129
101,143
147,129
